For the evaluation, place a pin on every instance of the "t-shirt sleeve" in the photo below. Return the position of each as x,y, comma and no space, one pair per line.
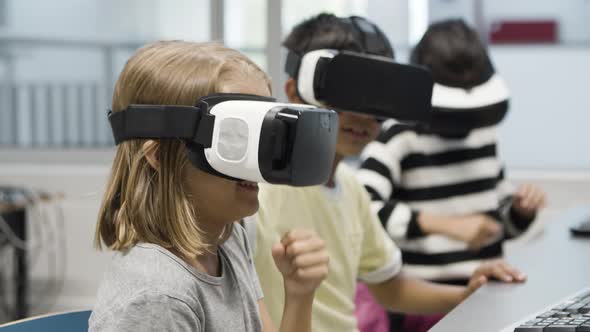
380,258
152,313
250,261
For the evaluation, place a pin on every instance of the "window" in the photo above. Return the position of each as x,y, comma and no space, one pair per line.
245,28
521,22
294,12
2,13
57,70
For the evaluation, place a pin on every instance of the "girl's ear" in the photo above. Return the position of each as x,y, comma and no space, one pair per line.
150,151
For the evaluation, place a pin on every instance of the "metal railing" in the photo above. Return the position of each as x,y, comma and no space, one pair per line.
56,113
61,114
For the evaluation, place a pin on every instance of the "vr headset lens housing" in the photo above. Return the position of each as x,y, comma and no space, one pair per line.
242,137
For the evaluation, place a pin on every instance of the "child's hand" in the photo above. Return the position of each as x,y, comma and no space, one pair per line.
528,199
497,269
476,230
303,260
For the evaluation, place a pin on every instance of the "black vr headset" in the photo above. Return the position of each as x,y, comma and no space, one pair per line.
362,82
241,137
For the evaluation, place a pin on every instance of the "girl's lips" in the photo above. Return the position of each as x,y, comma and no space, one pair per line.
248,186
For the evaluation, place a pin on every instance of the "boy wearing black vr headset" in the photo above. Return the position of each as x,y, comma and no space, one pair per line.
320,65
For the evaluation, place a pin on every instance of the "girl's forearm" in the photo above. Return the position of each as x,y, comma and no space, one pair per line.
297,314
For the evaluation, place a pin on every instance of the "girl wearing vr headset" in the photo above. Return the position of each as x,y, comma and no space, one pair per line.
439,188
340,211
182,263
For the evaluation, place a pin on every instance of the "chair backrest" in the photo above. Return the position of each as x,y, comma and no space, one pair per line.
75,321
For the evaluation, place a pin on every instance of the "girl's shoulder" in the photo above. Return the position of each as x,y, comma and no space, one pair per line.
149,269
143,278
134,311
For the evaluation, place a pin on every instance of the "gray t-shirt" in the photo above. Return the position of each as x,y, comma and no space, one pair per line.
147,288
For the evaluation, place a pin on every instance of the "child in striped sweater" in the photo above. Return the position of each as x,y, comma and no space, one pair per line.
439,189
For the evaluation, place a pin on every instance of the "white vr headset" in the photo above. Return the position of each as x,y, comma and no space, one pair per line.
241,137
363,83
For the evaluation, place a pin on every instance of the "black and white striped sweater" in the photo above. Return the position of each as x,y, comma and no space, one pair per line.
408,170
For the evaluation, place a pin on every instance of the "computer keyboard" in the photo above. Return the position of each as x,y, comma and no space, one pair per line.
571,315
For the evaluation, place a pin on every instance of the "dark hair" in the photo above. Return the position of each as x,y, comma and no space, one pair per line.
340,33
454,53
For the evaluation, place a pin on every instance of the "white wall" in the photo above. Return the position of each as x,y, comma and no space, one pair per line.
547,126
392,17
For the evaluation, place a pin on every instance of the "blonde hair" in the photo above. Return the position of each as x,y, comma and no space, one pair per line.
144,205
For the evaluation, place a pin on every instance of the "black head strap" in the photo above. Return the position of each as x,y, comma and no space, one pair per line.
161,121
292,64
190,123
372,38
365,32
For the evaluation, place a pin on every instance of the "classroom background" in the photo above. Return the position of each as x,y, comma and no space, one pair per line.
59,60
